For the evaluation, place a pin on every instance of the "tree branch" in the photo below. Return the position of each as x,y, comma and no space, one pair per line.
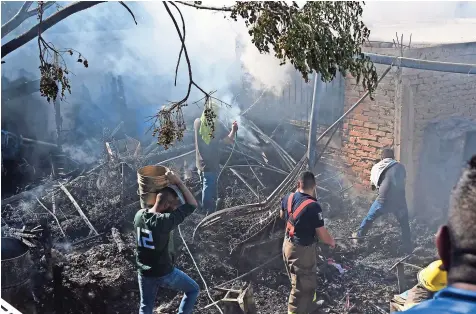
75,7
22,15
183,42
201,7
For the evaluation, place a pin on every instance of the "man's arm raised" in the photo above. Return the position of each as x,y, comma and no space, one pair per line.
230,138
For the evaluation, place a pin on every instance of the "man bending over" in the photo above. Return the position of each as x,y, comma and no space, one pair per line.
388,176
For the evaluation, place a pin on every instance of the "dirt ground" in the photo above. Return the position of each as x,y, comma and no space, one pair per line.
92,276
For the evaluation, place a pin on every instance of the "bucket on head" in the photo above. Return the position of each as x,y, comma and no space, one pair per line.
151,179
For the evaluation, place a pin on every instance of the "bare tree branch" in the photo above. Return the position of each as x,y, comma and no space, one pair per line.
201,7
22,15
128,9
183,43
75,7
182,40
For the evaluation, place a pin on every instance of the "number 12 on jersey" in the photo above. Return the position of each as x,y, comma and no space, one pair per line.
145,241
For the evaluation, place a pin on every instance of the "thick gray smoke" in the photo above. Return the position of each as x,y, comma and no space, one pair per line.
145,56
220,50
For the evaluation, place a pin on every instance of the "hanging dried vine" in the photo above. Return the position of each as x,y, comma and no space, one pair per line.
54,72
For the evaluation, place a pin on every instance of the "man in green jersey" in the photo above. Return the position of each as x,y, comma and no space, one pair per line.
155,267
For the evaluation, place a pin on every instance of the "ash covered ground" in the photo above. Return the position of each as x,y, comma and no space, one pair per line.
92,276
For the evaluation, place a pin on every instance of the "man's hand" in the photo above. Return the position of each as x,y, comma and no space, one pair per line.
172,178
234,127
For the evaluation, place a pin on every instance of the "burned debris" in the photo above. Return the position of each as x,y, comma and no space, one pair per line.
68,242
90,255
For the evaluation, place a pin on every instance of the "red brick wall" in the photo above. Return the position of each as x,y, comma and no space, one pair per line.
404,103
368,129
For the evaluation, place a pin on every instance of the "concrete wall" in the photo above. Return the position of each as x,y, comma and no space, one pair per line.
432,102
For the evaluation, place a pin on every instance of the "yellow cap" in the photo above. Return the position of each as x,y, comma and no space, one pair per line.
433,277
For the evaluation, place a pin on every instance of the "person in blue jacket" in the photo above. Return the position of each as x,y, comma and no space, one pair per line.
456,244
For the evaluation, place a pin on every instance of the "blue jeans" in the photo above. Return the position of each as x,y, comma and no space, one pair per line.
209,191
176,280
378,209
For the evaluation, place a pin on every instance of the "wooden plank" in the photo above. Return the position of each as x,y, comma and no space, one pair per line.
80,211
402,284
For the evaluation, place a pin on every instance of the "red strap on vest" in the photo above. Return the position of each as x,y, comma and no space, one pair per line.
292,216
290,205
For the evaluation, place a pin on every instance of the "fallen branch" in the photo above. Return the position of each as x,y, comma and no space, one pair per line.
362,237
54,216
116,236
378,308
411,265
81,213
87,239
244,181
260,166
176,157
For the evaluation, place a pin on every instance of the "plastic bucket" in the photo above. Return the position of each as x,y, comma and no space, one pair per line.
151,179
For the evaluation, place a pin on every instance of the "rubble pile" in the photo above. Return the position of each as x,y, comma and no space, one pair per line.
90,218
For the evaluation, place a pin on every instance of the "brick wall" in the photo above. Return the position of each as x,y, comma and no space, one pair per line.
370,127
406,103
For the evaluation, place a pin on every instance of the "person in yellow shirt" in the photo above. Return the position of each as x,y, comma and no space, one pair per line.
431,279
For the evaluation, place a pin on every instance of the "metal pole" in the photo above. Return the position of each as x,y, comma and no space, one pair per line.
450,67
316,104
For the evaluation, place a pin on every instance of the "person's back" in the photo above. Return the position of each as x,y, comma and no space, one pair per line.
153,227
456,244
392,185
304,222
308,221
450,300
388,176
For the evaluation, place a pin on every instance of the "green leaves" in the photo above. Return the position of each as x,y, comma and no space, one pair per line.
322,36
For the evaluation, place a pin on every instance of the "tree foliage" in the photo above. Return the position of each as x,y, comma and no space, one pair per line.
322,37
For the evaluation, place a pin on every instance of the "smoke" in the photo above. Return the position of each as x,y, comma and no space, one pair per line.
87,153
145,56
228,115
220,50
